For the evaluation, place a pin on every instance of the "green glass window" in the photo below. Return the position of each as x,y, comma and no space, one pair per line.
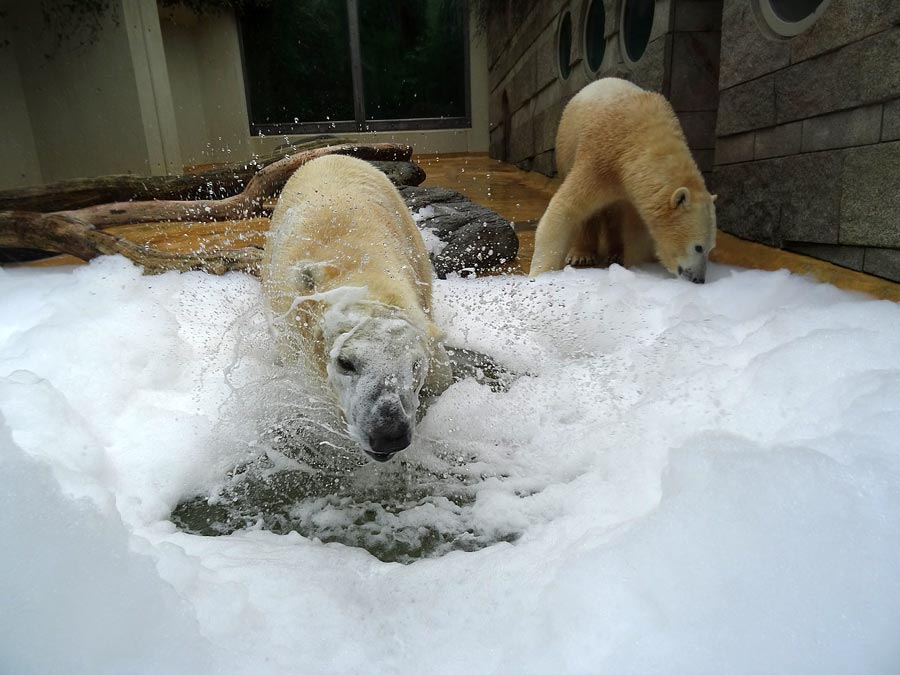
637,23
594,35
413,58
348,65
297,62
794,10
564,45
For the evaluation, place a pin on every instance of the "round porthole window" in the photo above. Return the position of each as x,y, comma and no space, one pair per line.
787,18
564,45
637,24
595,35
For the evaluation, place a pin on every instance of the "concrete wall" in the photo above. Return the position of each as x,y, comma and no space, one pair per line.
94,109
808,136
528,93
19,166
205,72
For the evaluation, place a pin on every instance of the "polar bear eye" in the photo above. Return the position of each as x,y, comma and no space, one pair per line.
346,365
698,248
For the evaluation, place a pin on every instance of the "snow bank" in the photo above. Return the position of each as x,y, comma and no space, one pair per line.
694,479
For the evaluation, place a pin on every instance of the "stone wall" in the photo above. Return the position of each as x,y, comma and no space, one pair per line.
808,134
528,92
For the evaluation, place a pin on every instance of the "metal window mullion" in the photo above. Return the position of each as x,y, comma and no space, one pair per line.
359,103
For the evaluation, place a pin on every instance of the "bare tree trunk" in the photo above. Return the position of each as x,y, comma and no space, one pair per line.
65,234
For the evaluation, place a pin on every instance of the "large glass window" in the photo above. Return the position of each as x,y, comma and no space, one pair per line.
637,24
794,10
595,35
564,45
355,65
297,63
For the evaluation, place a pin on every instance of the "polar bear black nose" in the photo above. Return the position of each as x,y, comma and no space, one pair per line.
390,438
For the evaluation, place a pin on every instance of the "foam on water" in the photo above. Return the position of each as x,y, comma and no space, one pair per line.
682,479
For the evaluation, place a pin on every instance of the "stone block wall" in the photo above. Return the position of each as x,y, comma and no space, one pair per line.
528,93
808,134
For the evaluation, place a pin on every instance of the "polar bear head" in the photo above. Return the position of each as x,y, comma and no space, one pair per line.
686,236
376,365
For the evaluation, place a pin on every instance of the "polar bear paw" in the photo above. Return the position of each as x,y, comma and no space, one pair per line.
581,258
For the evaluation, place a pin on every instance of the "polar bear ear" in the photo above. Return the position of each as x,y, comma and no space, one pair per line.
681,197
311,275
714,198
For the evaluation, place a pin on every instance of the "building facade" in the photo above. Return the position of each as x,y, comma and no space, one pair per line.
790,107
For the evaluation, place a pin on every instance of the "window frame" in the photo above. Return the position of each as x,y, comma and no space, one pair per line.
360,124
777,27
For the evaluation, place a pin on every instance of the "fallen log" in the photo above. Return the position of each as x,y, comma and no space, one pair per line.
77,232
213,183
62,233
246,204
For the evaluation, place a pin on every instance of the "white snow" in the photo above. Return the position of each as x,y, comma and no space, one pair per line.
684,479
433,243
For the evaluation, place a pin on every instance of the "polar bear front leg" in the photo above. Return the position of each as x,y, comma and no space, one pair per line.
586,250
565,215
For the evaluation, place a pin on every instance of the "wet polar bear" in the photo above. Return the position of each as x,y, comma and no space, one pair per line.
348,281
631,191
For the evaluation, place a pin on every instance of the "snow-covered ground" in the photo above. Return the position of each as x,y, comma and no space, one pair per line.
684,479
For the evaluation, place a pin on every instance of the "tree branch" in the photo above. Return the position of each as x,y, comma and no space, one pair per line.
246,204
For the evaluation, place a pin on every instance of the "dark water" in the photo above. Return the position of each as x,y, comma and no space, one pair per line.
419,505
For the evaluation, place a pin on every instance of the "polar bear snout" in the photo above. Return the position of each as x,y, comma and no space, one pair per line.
389,429
695,273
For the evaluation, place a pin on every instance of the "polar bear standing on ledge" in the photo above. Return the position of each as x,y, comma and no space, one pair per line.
348,280
631,190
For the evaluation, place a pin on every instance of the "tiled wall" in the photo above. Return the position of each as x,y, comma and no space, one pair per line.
808,135
528,93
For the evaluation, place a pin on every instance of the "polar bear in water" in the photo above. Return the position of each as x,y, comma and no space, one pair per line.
348,280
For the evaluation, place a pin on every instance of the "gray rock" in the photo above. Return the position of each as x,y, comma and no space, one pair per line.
401,173
870,198
476,238
417,197
477,248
